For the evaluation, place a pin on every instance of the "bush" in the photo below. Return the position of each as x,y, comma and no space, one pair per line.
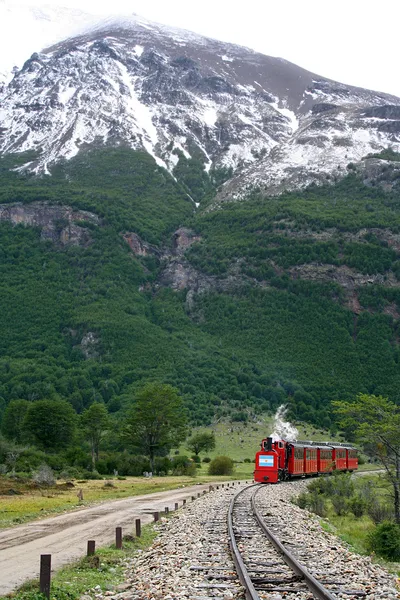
44,476
162,465
182,465
247,460
384,540
221,465
196,458
357,506
340,504
70,473
379,512
206,459
91,475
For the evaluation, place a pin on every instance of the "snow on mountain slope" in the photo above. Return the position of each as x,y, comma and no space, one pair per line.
167,91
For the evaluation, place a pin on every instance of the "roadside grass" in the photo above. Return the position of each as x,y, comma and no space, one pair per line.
104,571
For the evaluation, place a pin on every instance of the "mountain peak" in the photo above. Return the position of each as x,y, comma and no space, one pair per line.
173,93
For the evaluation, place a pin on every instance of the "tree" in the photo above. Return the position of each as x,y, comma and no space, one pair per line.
95,421
50,423
201,442
157,421
12,423
375,422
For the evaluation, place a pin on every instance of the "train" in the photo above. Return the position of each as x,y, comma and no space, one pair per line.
279,460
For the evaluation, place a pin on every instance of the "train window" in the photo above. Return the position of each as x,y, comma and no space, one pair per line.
298,453
280,444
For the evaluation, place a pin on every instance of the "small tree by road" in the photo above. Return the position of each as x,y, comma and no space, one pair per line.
95,422
156,422
201,442
375,423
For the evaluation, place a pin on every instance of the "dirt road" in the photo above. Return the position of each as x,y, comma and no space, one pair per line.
65,537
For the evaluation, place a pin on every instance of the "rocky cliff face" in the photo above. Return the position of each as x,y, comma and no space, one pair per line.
58,224
169,91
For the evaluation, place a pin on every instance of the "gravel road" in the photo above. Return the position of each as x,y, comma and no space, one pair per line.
65,536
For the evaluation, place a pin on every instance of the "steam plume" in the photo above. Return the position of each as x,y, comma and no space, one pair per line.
282,429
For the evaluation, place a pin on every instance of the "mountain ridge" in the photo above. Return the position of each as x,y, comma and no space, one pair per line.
176,95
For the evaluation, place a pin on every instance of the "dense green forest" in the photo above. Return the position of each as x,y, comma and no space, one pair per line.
270,337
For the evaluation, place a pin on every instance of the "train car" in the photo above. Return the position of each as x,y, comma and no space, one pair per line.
352,460
295,462
325,459
310,460
279,460
339,457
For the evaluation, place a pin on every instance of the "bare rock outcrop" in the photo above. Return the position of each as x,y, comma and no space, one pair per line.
59,224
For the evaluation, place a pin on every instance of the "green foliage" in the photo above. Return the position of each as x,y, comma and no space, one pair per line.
384,540
51,424
156,421
201,442
182,465
221,465
375,422
13,420
95,421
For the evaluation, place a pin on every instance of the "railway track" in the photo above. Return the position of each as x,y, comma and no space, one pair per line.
265,565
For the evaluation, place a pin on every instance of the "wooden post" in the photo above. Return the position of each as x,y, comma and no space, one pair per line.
45,574
138,528
118,538
184,502
166,510
91,547
156,516
176,505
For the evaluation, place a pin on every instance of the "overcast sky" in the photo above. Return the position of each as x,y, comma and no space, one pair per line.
354,41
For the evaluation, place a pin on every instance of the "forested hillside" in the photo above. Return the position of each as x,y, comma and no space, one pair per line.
290,299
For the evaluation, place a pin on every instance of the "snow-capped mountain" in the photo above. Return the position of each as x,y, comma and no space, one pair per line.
28,29
137,83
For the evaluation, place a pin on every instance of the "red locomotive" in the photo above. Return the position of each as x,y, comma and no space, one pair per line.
280,460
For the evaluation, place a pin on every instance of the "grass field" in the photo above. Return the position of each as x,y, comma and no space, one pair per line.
242,440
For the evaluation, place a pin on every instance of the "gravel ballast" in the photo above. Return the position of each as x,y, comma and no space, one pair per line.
190,558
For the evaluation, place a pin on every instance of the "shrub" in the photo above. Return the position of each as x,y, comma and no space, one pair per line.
70,473
162,465
91,475
247,460
384,540
357,506
44,476
317,504
195,458
182,465
221,465
340,504
206,459
379,512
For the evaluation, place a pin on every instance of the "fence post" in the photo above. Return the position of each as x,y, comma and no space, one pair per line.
91,547
118,538
176,505
184,502
156,516
166,510
45,574
138,528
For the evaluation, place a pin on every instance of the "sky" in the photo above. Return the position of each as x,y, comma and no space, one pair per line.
353,41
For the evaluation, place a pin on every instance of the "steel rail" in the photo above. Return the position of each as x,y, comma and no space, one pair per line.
314,586
244,577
